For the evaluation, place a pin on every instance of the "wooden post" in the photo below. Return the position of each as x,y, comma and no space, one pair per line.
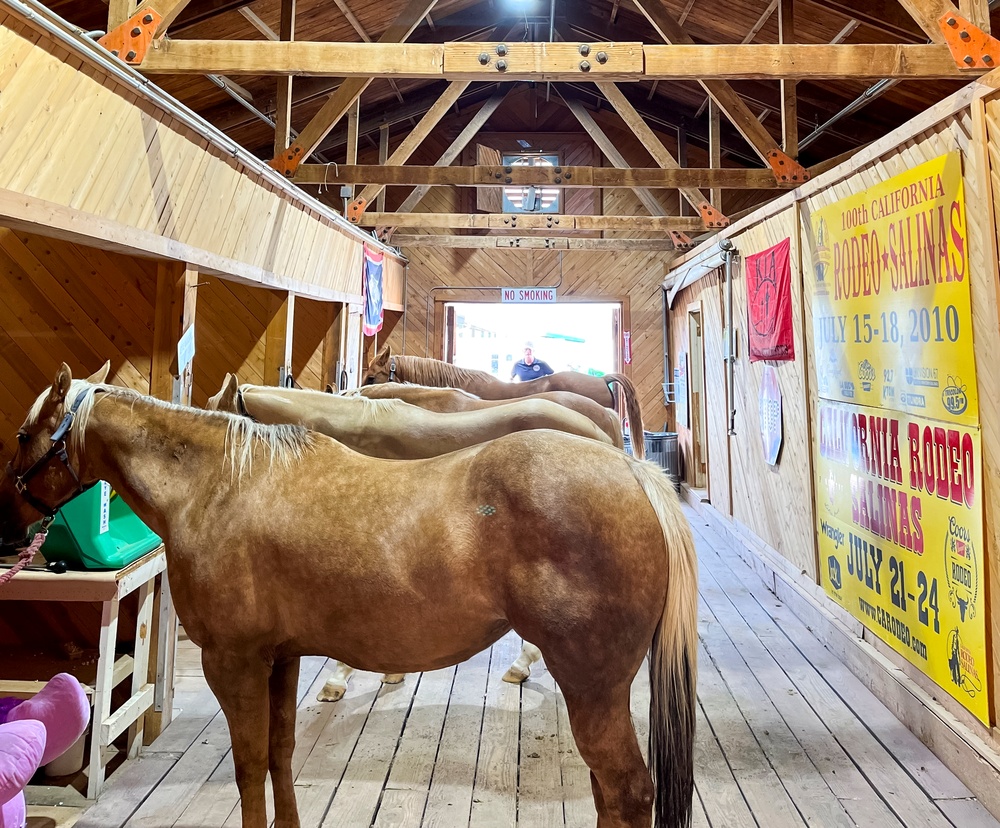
119,11
353,125
174,314
333,345
278,339
283,105
715,148
789,106
383,156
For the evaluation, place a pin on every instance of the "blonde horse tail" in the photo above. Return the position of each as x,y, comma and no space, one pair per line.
673,659
635,428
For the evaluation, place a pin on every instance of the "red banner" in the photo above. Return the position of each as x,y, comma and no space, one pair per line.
769,300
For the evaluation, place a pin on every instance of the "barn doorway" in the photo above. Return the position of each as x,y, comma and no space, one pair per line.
568,336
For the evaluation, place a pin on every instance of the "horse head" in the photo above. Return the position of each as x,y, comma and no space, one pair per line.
382,368
227,398
42,476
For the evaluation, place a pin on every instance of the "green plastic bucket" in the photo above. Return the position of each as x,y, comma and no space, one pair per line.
98,530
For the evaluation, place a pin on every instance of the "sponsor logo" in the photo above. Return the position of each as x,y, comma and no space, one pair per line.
847,389
960,569
954,398
833,533
866,375
833,570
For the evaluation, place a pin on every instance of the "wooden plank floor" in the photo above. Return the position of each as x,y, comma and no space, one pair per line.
786,737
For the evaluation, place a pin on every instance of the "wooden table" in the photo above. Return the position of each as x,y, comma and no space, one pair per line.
108,588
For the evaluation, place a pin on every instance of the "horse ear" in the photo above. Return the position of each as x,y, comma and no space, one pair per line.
225,400
330,389
100,376
383,354
60,385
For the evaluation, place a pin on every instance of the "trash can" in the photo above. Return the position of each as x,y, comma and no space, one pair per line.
98,530
661,448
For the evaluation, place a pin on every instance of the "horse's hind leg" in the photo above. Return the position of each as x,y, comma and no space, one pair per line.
283,687
519,671
605,737
240,683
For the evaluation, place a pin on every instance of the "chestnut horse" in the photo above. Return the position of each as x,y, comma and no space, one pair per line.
448,400
389,367
282,543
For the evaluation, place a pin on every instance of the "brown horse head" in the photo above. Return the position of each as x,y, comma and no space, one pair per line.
381,368
226,398
43,473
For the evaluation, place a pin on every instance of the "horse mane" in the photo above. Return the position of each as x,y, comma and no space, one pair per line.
281,444
436,372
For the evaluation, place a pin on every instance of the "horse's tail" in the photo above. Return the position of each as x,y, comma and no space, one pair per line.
635,429
673,659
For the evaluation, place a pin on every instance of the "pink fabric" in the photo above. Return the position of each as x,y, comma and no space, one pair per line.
21,747
62,707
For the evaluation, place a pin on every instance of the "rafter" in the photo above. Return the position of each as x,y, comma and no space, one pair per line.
927,13
712,65
530,242
410,143
789,108
363,34
726,97
455,148
711,215
532,221
335,108
587,177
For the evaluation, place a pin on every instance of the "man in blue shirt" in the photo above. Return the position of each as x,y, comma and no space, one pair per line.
530,368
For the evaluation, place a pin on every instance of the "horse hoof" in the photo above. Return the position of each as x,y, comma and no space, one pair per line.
331,692
515,675
393,678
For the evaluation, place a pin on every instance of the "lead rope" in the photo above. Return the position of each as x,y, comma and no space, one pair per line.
24,557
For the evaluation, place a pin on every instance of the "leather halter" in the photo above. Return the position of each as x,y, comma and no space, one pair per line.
56,451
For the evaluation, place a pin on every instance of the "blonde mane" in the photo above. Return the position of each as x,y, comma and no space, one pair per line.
281,444
436,372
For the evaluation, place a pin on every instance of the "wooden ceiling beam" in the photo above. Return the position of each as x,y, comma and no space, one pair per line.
710,214
532,221
712,65
886,16
410,143
725,96
341,101
461,141
927,13
490,176
529,243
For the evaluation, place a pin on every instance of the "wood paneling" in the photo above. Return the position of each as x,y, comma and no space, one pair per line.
144,181
67,303
774,502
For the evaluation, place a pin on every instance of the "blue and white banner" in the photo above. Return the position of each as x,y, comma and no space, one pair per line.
372,290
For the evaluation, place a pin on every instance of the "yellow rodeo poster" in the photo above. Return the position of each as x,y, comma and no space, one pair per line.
898,465
891,308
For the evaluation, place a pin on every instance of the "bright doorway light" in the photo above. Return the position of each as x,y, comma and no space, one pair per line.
569,336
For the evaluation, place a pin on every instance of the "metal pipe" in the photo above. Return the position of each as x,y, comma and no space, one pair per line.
865,98
669,397
236,96
728,254
66,34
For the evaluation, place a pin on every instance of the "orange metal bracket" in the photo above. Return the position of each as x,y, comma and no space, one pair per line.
711,216
786,170
287,162
356,209
682,241
971,47
130,41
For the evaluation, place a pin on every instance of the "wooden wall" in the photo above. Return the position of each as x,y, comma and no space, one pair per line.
776,505
61,302
87,159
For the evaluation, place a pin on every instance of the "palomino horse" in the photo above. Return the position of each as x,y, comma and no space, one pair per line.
282,543
446,400
396,430
389,367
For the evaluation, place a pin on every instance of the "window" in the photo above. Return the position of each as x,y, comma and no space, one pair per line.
531,199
